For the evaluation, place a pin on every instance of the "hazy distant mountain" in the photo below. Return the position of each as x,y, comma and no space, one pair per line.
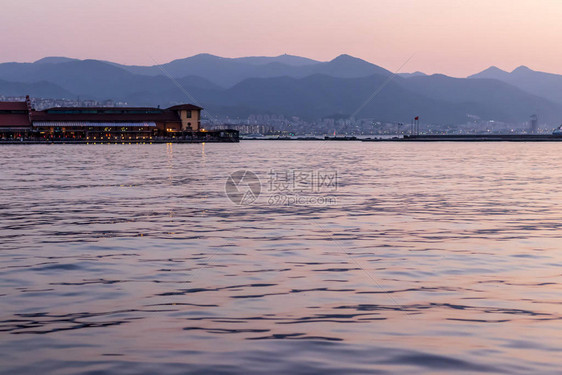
97,79
40,89
492,72
228,72
283,59
437,99
496,100
345,66
410,75
319,96
54,60
546,85
286,85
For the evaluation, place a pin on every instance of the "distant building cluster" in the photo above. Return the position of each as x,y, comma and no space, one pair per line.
44,103
248,129
278,124
281,125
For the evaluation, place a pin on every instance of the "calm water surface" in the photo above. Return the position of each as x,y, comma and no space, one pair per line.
435,258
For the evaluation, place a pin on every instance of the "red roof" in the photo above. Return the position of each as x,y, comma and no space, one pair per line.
104,109
13,106
9,119
88,114
160,116
95,117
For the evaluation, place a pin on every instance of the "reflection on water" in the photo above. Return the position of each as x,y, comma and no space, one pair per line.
129,258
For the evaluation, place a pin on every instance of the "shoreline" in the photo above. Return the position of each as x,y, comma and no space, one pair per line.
132,141
419,138
433,138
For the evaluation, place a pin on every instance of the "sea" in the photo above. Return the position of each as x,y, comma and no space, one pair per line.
281,257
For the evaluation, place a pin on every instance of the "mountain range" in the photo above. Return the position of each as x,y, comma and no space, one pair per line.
547,85
296,86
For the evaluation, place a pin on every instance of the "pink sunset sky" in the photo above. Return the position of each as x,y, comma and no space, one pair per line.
453,37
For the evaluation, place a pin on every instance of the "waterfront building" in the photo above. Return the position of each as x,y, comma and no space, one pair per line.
103,124
14,119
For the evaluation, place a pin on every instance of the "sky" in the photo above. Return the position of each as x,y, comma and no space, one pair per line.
452,37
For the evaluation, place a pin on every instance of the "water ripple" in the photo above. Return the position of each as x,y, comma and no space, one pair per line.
437,258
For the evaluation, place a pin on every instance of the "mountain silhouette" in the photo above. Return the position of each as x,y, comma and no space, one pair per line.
294,86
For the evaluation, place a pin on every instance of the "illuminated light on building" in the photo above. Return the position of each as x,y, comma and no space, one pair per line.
18,120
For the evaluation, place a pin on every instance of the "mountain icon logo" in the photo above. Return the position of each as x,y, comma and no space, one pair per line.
242,187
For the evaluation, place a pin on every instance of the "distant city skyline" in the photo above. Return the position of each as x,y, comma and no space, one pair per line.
453,37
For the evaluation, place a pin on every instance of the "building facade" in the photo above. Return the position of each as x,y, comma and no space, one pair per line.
15,120
103,124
